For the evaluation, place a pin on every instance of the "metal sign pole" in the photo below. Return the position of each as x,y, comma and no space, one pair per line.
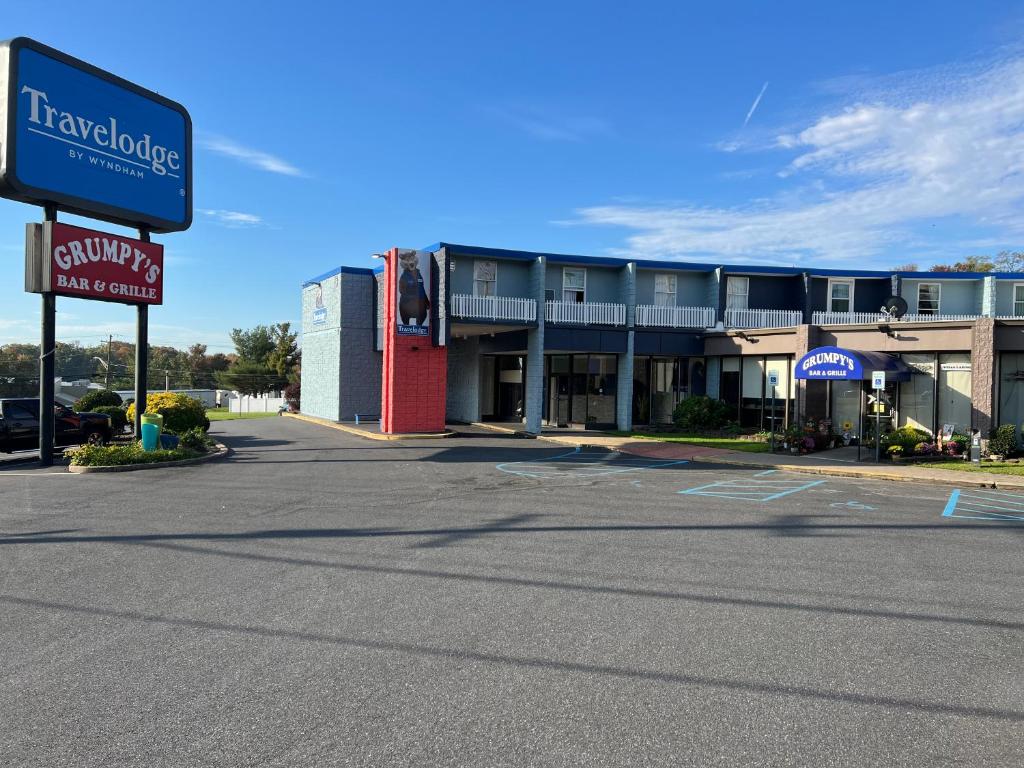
773,419
860,416
878,425
141,355
47,364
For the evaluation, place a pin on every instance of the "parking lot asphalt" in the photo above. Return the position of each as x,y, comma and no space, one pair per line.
318,599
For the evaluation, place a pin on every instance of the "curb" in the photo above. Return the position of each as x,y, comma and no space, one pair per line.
222,451
370,435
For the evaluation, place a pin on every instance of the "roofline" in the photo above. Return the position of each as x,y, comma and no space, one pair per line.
337,271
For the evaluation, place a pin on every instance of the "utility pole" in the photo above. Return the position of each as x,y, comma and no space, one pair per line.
167,381
110,340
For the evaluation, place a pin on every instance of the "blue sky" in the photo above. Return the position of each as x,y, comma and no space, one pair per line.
884,133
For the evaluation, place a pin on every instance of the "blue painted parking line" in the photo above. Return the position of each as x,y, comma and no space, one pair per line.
983,504
753,489
583,464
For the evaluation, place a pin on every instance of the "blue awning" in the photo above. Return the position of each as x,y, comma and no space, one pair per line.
832,363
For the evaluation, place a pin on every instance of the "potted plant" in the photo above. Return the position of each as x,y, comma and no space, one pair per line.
895,453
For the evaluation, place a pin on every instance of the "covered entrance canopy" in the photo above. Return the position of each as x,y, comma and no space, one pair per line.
836,363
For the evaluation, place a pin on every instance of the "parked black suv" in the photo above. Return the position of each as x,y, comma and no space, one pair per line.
19,425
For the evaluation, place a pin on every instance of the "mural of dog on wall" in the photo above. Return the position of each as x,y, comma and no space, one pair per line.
413,303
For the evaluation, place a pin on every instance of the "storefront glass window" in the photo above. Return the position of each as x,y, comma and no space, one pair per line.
917,404
753,391
1011,389
602,381
846,406
955,390
663,398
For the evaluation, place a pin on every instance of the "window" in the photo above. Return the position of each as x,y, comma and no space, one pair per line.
665,290
840,295
928,296
16,412
485,277
736,291
1018,299
574,285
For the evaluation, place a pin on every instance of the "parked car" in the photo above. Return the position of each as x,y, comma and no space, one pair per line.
19,425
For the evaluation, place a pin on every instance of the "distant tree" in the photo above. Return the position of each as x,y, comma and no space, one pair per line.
254,345
250,378
1009,261
284,355
905,268
970,264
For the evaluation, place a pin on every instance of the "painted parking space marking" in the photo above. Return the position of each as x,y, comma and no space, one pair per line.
761,487
983,504
584,464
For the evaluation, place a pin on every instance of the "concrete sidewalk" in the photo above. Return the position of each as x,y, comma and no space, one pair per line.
812,464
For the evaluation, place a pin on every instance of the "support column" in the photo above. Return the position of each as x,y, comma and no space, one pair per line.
983,375
534,388
624,388
47,365
624,391
141,356
806,340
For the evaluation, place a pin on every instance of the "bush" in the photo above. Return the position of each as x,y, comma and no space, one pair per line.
91,401
700,413
195,439
907,438
120,455
1003,441
181,412
292,395
118,417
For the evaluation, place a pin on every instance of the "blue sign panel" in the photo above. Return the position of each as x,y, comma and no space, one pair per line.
829,363
92,143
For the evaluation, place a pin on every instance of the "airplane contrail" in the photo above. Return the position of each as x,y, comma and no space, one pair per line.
756,102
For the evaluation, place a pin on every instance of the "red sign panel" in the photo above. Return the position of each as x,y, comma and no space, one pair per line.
97,265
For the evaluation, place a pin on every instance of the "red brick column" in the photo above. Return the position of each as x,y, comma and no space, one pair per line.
414,377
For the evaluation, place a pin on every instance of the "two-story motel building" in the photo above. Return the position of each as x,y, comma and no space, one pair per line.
552,340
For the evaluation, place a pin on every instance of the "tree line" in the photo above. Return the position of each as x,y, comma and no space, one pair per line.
1004,261
266,358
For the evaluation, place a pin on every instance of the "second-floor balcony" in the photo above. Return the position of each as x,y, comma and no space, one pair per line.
762,318
856,318
494,308
659,316
585,312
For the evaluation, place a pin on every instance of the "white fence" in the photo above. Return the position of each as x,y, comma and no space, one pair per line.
762,318
651,315
848,318
248,404
494,308
585,312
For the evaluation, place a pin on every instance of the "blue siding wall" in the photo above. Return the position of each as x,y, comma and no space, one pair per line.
776,292
868,295
602,283
513,277
1004,297
958,297
691,287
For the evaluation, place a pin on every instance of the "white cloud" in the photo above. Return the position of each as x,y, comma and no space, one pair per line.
550,127
232,219
254,157
866,177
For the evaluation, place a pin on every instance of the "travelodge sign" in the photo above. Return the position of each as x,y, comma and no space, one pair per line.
90,142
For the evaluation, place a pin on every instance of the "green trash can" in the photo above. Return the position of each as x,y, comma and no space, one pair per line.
151,436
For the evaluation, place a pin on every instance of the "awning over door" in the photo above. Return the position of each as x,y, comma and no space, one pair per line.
830,363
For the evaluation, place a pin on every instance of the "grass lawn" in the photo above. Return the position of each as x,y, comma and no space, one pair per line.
729,443
995,467
221,414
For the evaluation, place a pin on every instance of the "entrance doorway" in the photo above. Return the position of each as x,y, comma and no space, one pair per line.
501,387
581,389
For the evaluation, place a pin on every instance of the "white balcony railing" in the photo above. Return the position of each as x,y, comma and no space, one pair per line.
494,308
651,315
585,312
762,318
851,318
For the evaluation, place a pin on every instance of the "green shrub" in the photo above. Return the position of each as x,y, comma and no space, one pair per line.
700,413
181,412
196,439
91,401
1003,441
907,438
118,417
120,455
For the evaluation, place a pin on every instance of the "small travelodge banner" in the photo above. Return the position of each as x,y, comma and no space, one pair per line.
84,263
412,294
